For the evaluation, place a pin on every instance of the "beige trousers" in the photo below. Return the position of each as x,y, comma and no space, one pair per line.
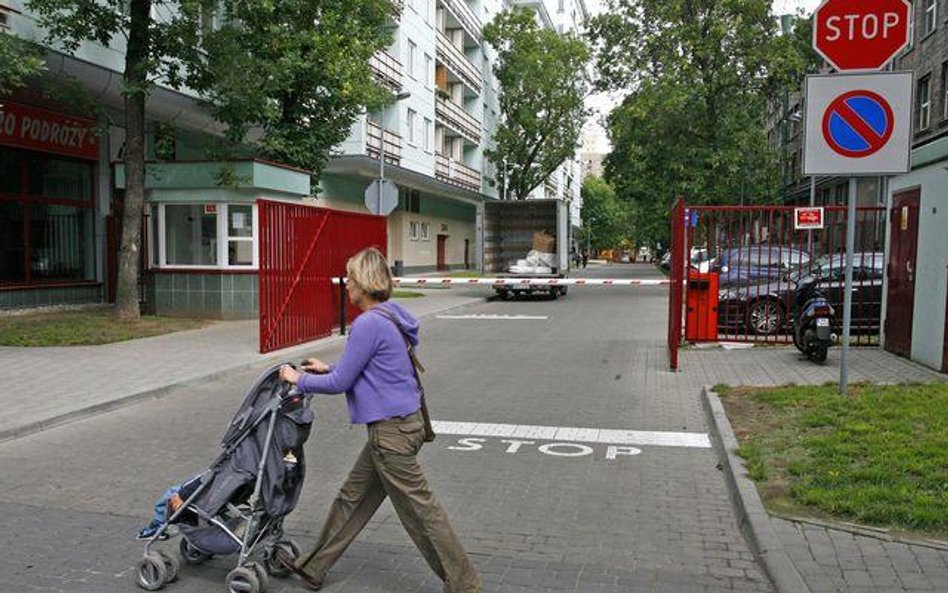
388,466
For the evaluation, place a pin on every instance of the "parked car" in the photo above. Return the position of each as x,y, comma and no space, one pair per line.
751,264
765,308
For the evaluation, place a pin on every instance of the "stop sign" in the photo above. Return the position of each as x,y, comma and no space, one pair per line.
861,34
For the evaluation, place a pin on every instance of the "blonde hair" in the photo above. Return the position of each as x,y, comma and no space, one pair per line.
369,271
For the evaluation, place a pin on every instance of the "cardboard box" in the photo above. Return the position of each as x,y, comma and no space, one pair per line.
544,242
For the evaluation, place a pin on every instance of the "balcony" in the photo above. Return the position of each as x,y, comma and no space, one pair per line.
458,63
373,142
455,173
463,14
552,188
387,70
453,116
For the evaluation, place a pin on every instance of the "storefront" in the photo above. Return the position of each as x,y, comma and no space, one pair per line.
48,238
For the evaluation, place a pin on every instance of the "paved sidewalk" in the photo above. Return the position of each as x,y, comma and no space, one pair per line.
42,387
836,560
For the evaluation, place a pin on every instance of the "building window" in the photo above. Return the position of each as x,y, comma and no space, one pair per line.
47,229
923,107
240,235
190,235
204,235
429,71
424,232
410,62
413,230
411,126
931,16
429,134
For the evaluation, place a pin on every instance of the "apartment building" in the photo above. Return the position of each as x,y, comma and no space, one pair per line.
62,195
433,138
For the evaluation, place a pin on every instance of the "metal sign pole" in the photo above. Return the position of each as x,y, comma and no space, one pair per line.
848,289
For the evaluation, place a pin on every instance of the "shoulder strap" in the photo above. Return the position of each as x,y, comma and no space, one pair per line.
416,364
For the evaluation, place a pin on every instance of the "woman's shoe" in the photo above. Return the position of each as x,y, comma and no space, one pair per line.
289,563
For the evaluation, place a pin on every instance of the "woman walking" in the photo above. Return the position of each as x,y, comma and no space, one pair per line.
382,391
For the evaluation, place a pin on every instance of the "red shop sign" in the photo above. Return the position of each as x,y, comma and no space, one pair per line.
46,131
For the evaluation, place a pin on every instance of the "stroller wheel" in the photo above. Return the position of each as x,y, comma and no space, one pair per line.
262,575
152,573
243,580
191,554
273,564
172,566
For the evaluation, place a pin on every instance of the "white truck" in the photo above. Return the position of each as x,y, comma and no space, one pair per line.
508,236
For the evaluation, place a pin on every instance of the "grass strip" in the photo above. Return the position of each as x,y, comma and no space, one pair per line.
878,457
84,328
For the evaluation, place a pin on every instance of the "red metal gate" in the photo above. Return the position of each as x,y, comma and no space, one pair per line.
302,249
756,256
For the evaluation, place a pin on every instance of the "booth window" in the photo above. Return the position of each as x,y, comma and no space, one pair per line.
47,229
203,236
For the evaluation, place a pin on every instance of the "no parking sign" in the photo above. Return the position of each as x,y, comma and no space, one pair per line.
858,124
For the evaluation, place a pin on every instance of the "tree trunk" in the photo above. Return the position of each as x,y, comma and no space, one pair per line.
136,92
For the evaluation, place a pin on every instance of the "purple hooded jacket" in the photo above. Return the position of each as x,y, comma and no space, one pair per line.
375,371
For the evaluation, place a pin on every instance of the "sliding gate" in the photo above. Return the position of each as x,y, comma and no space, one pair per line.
302,248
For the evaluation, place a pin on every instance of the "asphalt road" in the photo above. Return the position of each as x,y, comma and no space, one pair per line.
580,510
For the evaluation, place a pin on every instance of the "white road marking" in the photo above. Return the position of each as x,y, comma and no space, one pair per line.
695,440
494,317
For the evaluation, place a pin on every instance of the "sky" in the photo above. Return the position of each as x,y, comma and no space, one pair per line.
594,134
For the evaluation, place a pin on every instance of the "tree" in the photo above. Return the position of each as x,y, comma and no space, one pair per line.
19,61
543,84
606,219
155,49
692,122
296,72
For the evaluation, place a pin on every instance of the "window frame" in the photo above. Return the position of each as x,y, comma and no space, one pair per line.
425,233
428,134
413,230
222,234
410,118
929,10
924,105
410,59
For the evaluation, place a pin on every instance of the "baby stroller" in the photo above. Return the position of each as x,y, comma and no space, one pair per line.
238,505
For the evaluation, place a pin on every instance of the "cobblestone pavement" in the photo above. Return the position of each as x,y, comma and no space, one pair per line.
832,560
538,516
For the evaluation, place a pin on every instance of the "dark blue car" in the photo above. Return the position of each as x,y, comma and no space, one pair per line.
755,263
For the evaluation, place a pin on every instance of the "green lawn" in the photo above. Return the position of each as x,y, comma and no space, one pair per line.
878,457
406,294
80,328
464,274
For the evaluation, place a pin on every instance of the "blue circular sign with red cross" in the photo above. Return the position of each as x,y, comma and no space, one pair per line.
858,123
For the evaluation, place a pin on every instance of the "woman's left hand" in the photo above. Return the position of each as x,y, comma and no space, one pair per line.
289,374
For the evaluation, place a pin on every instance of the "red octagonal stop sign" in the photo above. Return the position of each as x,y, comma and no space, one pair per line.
861,34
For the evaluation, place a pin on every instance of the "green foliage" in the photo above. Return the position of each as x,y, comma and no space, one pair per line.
877,457
605,217
543,82
19,61
289,77
692,123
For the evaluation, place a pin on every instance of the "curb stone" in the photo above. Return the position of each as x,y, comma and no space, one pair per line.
751,514
131,399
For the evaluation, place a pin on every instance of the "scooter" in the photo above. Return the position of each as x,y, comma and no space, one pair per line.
813,320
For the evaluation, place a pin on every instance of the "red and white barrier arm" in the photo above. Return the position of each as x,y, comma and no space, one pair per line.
527,282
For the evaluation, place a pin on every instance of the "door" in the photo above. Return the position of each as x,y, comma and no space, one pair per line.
442,252
903,225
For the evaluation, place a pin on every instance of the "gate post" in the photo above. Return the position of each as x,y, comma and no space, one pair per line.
676,278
